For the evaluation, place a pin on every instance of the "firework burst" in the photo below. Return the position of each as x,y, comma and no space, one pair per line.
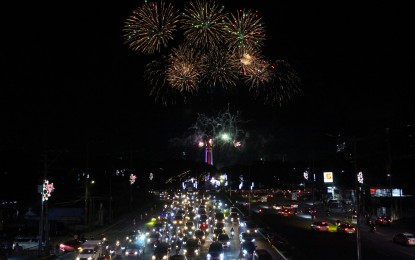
259,72
277,83
155,76
185,69
245,30
150,27
203,23
219,70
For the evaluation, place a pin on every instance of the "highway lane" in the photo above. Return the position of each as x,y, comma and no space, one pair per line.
319,245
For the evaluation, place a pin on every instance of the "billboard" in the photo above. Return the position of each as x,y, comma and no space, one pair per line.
328,177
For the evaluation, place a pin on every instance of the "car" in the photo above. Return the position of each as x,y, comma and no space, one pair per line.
246,237
251,227
178,257
204,227
189,225
153,238
203,218
220,225
178,219
224,240
219,217
161,252
285,212
134,250
406,239
191,216
215,251
192,247
310,211
25,243
320,226
90,252
383,221
247,249
200,234
234,217
262,254
70,246
346,228
217,232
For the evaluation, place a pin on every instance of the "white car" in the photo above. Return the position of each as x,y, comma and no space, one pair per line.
404,239
25,243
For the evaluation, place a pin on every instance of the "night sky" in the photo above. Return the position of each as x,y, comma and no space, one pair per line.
69,80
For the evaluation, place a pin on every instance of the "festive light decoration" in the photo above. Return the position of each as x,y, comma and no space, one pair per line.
360,177
47,190
132,178
306,175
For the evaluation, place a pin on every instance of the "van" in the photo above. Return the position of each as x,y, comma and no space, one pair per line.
25,243
91,249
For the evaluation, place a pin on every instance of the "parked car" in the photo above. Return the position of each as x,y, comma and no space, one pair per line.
407,239
320,226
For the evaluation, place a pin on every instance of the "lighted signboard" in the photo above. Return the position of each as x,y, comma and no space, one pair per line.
328,177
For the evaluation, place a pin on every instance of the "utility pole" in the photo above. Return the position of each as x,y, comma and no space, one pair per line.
86,184
358,243
43,209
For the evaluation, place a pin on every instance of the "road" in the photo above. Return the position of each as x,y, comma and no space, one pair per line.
120,229
309,244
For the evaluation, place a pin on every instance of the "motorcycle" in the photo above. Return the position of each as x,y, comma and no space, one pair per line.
372,228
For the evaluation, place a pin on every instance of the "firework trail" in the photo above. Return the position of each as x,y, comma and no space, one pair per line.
203,23
150,27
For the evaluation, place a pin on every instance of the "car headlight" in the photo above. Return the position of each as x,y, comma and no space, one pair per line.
203,237
228,243
221,256
153,257
164,257
208,256
244,252
78,258
90,258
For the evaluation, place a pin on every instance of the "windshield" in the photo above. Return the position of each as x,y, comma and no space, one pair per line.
191,243
223,237
215,248
88,251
